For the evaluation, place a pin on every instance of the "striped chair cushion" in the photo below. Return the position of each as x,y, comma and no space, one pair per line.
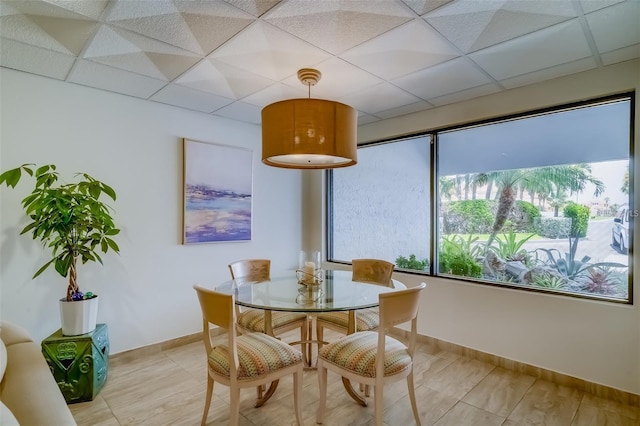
258,354
357,353
366,319
253,319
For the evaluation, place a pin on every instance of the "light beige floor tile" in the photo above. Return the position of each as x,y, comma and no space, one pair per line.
432,405
465,414
459,377
591,416
547,404
499,392
612,406
93,412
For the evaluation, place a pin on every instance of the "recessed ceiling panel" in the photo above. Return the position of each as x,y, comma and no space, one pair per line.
241,111
423,6
199,27
186,97
378,98
222,79
269,52
338,25
132,52
549,73
34,60
111,79
254,7
274,93
627,28
553,46
474,25
443,79
405,49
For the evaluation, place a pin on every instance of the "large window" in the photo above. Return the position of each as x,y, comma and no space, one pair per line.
380,207
539,202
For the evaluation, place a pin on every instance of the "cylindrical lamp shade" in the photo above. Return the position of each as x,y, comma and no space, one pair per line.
309,134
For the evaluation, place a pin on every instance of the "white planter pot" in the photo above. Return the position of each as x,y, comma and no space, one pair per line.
78,317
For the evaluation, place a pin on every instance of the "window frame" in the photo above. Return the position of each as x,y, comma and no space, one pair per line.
434,195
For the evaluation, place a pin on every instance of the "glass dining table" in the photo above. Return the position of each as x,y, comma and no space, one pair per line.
283,292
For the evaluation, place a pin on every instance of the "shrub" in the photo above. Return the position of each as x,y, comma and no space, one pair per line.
524,215
412,263
579,216
457,257
469,217
552,227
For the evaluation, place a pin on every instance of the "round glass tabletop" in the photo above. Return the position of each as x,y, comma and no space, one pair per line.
283,293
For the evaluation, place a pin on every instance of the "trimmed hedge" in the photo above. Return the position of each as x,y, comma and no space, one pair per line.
579,216
477,216
552,227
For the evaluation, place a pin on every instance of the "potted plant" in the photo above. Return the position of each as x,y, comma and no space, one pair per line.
71,220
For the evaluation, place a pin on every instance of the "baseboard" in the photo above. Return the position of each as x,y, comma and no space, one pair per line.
596,389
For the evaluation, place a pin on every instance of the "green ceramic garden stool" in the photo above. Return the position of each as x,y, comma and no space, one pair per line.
78,363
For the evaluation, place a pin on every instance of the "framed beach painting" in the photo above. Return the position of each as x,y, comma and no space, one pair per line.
217,192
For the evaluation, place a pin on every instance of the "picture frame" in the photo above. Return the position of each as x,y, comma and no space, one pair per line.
218,192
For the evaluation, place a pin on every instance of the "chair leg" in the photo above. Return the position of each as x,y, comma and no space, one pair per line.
304,335
207,402
322,385
319,334
412,397
377,394
234,405
297,394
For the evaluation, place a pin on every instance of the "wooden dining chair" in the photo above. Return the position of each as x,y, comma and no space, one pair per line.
375,358
252,320
248,360
372,271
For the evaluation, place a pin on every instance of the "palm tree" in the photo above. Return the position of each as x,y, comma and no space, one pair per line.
572,177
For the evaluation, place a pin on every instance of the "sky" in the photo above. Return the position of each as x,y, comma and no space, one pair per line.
218,166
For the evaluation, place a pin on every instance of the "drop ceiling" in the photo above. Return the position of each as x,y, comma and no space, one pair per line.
385,58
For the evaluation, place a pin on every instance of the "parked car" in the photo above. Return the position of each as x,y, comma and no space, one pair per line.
620,229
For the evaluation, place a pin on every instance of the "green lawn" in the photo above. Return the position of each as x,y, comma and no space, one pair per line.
485,237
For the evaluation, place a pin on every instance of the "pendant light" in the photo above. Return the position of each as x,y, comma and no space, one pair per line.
309,133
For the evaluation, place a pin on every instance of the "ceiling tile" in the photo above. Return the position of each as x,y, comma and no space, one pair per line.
222,79
381,97
443,79
132,52
463,95
620,55
186,24
269,52
403,110
548,73
405,49
189,98
241,111
474,25
254,7
34,60
423,6
338,25
275,93
60,34
553,46
339,78
627,30
55,8
366,119
593,5
103,77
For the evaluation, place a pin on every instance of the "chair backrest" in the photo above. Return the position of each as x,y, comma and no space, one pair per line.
218,308
375,271
398,307
251,269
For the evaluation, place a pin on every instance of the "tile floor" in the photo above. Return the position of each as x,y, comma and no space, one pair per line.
168,388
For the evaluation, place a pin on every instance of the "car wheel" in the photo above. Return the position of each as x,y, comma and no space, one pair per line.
614,243
623,246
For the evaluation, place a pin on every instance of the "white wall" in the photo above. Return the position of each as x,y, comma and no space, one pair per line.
595,341
135,146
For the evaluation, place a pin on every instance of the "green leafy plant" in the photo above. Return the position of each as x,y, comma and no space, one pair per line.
509,247
549,281
568,266
70,219
412,263
579,218
458,257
